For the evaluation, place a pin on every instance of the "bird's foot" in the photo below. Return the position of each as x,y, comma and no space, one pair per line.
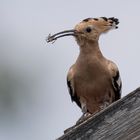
84,117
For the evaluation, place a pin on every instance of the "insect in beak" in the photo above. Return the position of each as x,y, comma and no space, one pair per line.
53,38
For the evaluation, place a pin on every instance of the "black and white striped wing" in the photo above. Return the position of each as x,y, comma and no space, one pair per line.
71,88
72,93
117,85
116,79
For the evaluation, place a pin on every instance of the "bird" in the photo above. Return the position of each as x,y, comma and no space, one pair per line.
93,81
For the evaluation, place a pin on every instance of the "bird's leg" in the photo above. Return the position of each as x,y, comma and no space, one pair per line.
84,117
85,114
83,106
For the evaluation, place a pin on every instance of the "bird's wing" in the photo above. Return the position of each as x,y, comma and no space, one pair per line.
70,84
116,79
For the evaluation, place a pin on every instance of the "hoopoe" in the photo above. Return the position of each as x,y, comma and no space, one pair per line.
93,81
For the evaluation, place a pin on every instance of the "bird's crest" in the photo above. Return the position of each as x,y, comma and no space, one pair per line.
101,24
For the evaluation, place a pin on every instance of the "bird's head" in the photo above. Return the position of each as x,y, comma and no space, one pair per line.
88,30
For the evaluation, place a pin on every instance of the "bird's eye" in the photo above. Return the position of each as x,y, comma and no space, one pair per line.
88,29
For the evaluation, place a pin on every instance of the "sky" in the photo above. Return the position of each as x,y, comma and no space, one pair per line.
34,100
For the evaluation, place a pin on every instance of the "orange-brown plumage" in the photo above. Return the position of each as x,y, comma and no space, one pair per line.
93,80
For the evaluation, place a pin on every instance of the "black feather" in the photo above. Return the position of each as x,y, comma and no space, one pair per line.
87,19
96,19
104,18
117,87
74,97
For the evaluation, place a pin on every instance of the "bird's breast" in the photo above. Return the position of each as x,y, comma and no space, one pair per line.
92,80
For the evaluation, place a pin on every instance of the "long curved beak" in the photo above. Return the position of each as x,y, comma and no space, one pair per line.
54,37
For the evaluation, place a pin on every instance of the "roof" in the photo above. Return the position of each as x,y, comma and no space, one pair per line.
119,121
